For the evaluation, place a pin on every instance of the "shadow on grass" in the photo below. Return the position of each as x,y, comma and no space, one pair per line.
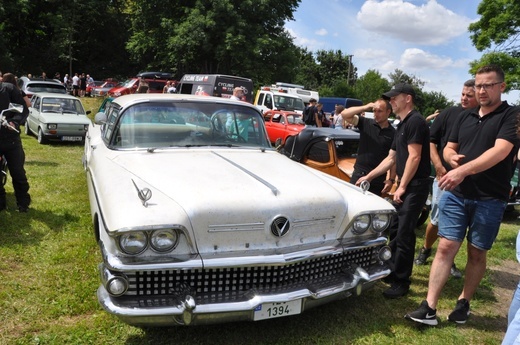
18,228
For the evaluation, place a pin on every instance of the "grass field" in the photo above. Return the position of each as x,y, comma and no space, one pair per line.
49,277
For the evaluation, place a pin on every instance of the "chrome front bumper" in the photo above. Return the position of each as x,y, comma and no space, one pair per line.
157,311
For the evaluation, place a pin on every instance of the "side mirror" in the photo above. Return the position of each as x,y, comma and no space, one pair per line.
100,118
18,108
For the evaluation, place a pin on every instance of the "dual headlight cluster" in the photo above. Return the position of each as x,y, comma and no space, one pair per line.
136,242
378,221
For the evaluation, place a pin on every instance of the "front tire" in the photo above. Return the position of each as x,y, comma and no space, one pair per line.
41,137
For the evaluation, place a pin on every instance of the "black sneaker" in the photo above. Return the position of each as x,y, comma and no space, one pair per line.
424,314
396,290
422,256
461,312
455,272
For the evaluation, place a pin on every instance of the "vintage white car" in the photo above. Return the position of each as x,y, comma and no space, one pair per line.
57,117
199,220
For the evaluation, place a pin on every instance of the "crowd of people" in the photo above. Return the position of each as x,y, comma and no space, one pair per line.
473,148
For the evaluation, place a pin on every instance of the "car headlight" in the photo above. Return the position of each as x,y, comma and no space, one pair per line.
164,240
52,126
133,242
361,224
380,221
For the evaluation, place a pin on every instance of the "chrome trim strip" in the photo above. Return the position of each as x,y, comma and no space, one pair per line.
258,178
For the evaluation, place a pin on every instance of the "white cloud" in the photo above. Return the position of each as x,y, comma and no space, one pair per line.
321,32
428,24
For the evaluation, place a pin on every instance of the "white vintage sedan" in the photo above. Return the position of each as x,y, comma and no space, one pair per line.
199,220
57,117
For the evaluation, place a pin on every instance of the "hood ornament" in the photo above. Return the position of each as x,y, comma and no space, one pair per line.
365,185
144,194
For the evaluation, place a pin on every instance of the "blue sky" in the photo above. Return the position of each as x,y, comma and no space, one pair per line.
426,38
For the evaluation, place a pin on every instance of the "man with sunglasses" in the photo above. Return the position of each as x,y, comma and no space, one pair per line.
480,151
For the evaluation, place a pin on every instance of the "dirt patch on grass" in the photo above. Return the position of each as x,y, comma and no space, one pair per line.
505,278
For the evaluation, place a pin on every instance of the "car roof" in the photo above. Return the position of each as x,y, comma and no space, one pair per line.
127,100
55,95
296,145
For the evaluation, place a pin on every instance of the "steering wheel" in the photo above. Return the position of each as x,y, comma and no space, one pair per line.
220,128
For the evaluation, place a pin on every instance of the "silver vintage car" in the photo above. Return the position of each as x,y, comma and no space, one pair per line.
56,117
199,220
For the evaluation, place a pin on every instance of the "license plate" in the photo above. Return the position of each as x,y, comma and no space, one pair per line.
65,138
273,310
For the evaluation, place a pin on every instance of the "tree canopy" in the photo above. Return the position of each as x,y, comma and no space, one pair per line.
498,33
120,38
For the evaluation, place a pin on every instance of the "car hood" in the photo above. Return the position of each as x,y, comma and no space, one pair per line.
66,118
223,195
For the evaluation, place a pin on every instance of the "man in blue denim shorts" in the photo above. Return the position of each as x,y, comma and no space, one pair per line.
480,150
439,132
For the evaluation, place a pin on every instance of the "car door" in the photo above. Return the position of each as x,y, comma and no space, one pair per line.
34,112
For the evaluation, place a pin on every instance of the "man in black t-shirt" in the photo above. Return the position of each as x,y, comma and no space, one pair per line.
439,131
480,151
410,152
375,139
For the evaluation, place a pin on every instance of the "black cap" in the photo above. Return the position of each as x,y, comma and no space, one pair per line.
400,88
312,100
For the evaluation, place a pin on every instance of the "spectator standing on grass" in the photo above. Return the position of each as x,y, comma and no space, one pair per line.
11,78
480,151
82,85
439,132
410,152
11,147
375,140
75,85
309,113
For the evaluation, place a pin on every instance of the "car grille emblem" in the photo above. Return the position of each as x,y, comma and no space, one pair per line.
280,226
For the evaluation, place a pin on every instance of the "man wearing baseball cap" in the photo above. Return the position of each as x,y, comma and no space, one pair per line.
410,152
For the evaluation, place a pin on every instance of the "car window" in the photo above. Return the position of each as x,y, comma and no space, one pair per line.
319,152
40,87
62,105
346,148
277,118
112,113
159,125
36,102
294,119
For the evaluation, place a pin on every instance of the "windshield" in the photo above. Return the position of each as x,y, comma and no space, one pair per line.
128,83
288,103
62,105
187,124
57,88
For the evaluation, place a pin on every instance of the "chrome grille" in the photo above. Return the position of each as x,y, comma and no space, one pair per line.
229,284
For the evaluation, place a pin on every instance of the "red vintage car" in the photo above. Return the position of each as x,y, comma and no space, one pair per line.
281,124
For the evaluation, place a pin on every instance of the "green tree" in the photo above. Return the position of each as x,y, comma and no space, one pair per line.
430,101
498,28
398,76
371,86
245,38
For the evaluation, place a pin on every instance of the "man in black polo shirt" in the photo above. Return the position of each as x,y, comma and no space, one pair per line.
480,151
410,152
375,140
439,131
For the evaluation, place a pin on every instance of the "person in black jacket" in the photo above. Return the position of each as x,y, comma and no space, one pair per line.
11,147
